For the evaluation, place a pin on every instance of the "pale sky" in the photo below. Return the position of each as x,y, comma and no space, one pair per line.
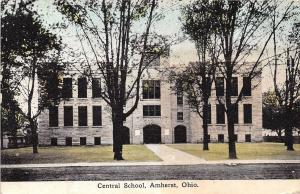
181,53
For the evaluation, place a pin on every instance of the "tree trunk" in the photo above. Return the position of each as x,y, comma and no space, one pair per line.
289,138
34,137
117,136
1,136
279,134
15,130
289,130
230,112
205,126
205,133
231,138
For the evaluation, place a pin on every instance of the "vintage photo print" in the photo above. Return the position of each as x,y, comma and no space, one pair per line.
150,96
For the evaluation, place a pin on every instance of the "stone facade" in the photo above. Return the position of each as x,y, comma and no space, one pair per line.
190,128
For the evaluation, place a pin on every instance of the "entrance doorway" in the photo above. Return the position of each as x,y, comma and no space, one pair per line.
180,134
152,134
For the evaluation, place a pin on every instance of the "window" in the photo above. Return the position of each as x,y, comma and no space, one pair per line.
179,98
220,86
180,116
234,86
82,87
97,140
51,86
68,141
208,85
82,140
82,115
97,116
67,88
236,113
246,86
208,119
96,87
53,141
68,116
248,138
221,138
151,89
151,110
53,116
247,113
220,114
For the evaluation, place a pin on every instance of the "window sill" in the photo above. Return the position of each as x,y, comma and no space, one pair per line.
151,117
219,124
235,124
100,126
181,121
151,99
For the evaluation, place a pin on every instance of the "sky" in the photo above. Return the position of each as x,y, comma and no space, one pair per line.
181,53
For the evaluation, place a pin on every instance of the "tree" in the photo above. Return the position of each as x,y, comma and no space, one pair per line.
9,106
273,114
11,120
197,79
195,86
288,93
245,19
34,53
238,26
118,44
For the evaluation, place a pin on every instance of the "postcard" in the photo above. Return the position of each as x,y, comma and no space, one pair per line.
150,96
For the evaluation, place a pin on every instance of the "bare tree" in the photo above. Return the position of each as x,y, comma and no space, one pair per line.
288,93
195,85
118,44
196,80
239,26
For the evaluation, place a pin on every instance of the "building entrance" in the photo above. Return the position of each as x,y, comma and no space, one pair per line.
180,134
152,134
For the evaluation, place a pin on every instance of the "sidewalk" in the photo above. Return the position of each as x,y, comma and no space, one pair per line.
171,156
168,155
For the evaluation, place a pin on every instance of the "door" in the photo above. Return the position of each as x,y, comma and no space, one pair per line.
180,134
152,134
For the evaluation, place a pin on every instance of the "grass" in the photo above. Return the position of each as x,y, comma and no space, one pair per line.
75,154
245,151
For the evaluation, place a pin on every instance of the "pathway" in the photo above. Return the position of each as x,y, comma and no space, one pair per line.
172,156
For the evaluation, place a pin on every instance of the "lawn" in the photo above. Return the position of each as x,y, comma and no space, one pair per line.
75,154
245,151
